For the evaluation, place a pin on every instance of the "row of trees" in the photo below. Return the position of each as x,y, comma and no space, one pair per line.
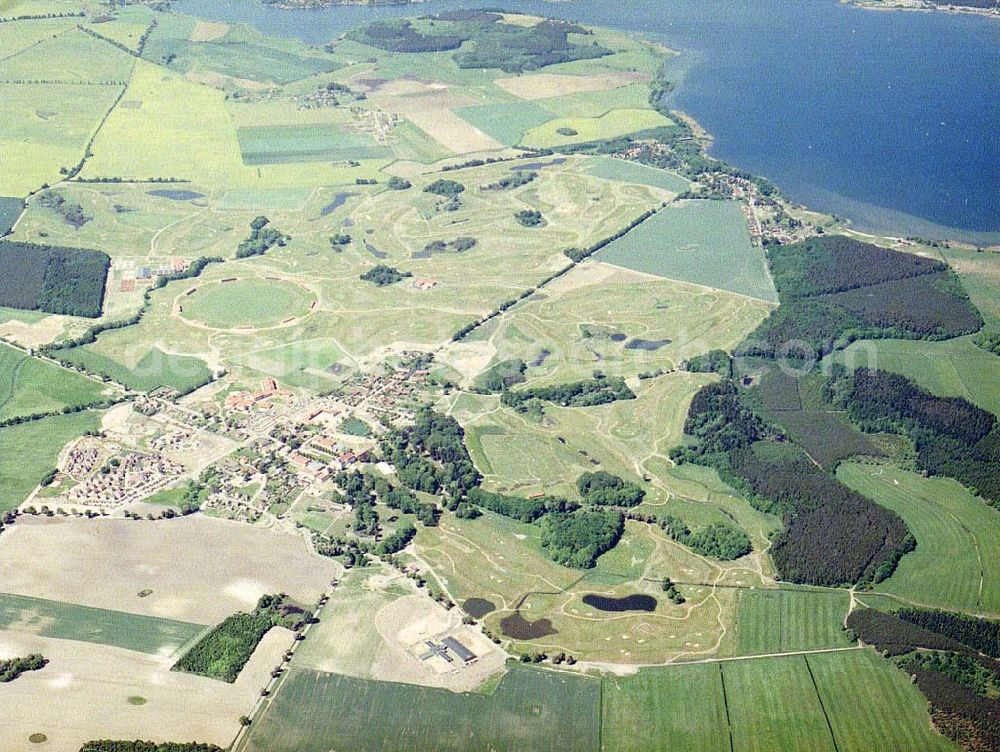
599,390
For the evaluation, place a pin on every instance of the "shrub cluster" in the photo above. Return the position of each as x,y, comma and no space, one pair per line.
516,179
12,668
604,489
501,376
518,507
383,275
262,239
108,745
718,540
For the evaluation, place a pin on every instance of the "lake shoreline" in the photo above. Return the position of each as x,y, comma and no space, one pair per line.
893,182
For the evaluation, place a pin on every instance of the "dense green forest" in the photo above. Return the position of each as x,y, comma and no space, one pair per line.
431,456
53,279
960,678
952,436
480,39
834,290
832,535
223,652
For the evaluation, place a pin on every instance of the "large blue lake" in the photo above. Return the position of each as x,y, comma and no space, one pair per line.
891,119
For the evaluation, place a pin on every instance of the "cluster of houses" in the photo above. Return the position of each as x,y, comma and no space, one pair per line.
244,401
123,479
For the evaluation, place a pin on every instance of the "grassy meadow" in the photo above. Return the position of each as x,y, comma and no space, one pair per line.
956,564
247,302
782,621
530,709
704,242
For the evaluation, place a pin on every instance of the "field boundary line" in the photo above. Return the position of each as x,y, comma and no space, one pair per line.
833,737
35,44
725,704
684,282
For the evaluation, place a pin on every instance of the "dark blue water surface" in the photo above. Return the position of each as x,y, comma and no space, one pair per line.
888,118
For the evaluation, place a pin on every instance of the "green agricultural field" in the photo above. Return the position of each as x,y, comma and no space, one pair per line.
872,705
178,130
530,709
956,564
28,451
953,368
71,57
21,35
773,705
681,708
592,104
278,144
621,171
849,701
246,303
781,621
240,53
68,621
352,610
152,370
608,126
29,386
704,242
45,127
507,122
980,274
10,210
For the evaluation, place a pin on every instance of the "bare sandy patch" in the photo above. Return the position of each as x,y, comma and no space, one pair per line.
544,85
428,106
470,358
198,568
84,693
222,81
33,335
407,623
516,19
209,31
